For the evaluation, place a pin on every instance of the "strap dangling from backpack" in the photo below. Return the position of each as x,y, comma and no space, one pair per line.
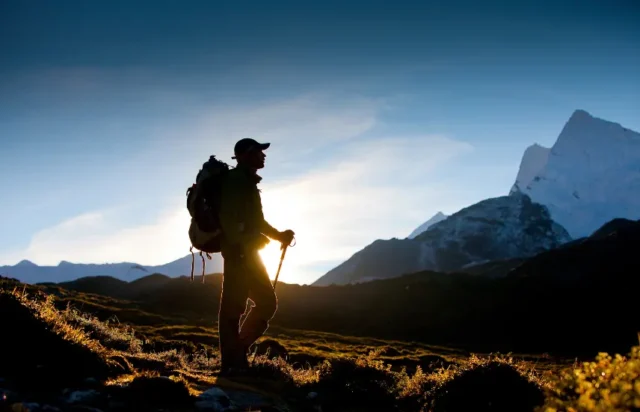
192,261
203,264
208,257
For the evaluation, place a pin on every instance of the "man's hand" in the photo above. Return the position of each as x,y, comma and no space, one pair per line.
286,237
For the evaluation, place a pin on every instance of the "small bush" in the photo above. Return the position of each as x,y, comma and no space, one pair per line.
360,382
490,386
610,383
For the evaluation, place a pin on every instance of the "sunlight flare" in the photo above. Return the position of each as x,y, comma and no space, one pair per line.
271,255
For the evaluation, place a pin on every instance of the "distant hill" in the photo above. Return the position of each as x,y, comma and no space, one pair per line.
110,286
101,285
143,286
610,252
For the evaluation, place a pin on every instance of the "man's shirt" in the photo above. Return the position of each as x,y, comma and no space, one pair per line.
241,215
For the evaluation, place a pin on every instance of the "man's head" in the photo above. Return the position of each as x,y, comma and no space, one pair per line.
250,153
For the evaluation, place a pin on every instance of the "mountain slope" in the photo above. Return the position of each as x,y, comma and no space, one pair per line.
591,174
438,217
28,272
381,259
497,228
610,251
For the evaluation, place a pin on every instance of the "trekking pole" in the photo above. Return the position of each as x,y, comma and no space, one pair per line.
284,251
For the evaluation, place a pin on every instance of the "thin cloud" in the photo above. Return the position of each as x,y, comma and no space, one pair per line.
296,126
97,238
299,129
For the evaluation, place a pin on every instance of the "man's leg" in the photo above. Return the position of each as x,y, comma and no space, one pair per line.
262,294
233,300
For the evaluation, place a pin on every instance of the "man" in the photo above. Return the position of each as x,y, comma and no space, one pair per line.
245,232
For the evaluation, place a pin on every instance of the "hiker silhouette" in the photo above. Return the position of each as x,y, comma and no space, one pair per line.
245,233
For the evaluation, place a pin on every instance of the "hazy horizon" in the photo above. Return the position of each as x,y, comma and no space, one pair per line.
379,116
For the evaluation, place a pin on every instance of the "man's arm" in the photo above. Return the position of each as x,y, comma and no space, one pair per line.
263,226
268,230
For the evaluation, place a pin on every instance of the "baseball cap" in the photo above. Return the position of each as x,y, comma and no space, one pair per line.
248,144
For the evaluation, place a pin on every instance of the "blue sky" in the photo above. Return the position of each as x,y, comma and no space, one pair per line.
380,113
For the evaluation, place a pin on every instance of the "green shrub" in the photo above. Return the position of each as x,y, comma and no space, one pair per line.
610,383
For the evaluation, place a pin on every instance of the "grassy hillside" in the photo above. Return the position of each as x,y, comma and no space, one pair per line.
61,355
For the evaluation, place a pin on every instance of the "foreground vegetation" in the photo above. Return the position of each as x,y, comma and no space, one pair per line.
342,373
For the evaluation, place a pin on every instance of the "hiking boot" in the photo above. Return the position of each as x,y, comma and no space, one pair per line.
239,365
233,371
239,368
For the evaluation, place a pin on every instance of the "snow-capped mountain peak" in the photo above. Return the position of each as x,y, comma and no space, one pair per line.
590,176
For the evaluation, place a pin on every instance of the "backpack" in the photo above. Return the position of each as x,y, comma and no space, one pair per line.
203,202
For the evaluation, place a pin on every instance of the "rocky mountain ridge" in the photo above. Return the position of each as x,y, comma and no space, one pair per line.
28,272
497,228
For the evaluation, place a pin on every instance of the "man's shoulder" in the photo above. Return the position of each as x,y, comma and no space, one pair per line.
238,179
236,175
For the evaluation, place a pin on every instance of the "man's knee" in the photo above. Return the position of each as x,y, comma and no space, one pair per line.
266,305
271,307
234,294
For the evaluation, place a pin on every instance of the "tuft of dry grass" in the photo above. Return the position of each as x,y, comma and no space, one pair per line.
42,307
110,333
494,382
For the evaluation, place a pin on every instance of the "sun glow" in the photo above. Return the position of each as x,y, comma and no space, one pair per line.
271,255
286,208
